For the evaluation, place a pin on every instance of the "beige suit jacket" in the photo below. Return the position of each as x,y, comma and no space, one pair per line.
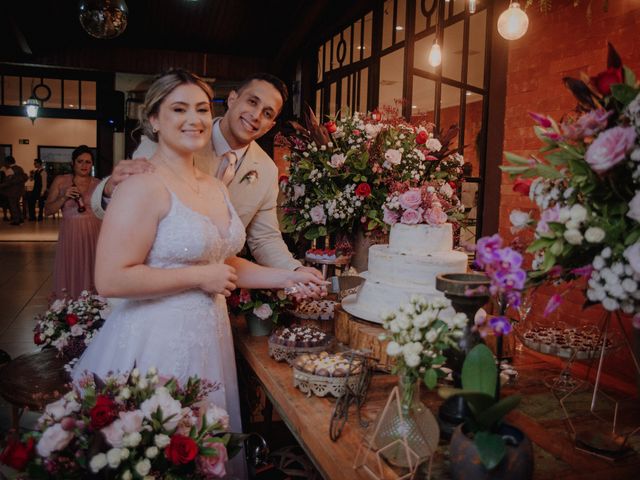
255,200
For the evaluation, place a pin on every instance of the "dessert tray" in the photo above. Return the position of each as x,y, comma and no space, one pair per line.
314,310
323,374
326,256
303,340
577,343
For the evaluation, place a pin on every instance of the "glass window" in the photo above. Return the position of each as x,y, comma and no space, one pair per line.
55,85
327,56
422,105
88,95
449,110
387,24
332,100
11,90
368,20
401,20
421,54
364,84
477,35
71,90
335,63
423,22
454,7
357,39
391,76
345,94
319,103
346,34
452,51
473,131
27,87
320,57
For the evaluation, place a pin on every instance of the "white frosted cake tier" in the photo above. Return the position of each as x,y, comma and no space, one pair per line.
412,269
421,239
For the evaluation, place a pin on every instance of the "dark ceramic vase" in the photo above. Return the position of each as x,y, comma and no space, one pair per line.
517,463
257,326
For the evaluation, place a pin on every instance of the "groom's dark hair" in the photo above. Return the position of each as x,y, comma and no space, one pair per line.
266,77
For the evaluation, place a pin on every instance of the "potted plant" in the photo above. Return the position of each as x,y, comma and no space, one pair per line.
484,447
261,308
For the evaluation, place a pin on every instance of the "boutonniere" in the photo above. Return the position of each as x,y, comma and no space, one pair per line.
250,177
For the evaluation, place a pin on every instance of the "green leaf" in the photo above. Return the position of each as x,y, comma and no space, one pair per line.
496,412
515,170
558,158
490,448
539,244
624,93
632,238
430,378
629,76
547,171
479,370
516,159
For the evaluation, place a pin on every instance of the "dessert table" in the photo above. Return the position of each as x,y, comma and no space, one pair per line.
540,416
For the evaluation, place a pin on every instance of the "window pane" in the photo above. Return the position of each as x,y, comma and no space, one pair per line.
11,90
421,54
327,56
88,93
357,36
458,7
347,38
387,24
368,20
27,87
473,131
364,79
71,88
319,103
320,72
477,32
345,95
423,22
55,85
401,20
424,91
391,71
332,100
452,51
335,64
449,110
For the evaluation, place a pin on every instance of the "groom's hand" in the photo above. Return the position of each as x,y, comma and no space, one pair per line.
123,170
318,291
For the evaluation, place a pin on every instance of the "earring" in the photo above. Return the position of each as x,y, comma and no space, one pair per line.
154,130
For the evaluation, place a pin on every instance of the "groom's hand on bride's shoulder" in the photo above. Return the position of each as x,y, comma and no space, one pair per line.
123,170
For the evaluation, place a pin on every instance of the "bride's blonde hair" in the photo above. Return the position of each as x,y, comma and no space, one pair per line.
160,89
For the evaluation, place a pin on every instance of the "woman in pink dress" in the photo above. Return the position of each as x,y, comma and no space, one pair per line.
78,236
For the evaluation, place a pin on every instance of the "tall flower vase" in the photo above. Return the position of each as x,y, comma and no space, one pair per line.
406,418
257,326
468,292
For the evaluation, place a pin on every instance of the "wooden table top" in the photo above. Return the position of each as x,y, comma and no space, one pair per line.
539,416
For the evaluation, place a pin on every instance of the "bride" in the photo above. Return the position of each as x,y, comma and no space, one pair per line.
168,245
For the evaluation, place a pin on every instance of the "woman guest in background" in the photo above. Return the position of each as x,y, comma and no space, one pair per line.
76,252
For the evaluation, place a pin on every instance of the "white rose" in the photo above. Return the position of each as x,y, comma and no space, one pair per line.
519,220
578,213
143,467
170,407
421,320
151,452
610,304
594,235
53,439
216,414
629,285
392,157
431,335
161,440
263,312
317,215
412,360
114,458
61,408
127,475
77,330
446,190
393,349
634,208
132,439
632,254
298,191
573,236
337,160
98,462
433,145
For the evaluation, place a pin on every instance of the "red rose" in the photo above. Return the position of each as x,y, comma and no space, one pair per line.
331,127
522,185
453,185
363,190
422,137
17,454
103,413
283,179
71,319
181,450
604,80
234,300
37,339
356,132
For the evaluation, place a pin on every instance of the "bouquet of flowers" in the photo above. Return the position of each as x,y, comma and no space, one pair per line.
431,203
420,332
264,304
587,188
69,325
128,427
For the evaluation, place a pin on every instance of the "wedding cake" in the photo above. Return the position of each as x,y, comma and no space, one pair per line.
408,265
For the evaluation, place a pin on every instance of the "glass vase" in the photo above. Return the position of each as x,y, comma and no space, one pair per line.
409,419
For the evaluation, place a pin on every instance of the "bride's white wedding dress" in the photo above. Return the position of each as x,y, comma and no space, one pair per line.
184,334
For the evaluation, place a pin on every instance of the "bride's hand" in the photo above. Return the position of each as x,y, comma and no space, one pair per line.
218,278
306,284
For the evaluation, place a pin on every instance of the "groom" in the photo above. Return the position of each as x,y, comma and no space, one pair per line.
234,157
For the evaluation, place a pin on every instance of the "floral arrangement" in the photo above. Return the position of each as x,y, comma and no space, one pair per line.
69,325
264,304
586,184
341,172
431,203
419,333
125,427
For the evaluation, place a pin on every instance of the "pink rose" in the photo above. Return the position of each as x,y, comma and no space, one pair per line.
435,216
213,466
411,216
317,215
216,414
389,216
634,208
298,191
610,148
337,160
587,125
53,439
392,157
263,312
411,199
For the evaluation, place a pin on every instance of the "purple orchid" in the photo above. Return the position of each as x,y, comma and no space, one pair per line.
500,325
486,250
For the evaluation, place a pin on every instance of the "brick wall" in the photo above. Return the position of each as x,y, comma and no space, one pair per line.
561,43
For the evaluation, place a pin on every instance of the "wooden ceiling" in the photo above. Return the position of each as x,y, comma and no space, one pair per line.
266,32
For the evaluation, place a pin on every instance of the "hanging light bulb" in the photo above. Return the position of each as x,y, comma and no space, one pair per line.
473,5
32,106
435,55
513,22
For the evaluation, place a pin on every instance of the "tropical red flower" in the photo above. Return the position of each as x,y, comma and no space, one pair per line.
522,185
422,137
103,413
363,190
181,450
37,339
604,80
71,319
17,454
331,127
